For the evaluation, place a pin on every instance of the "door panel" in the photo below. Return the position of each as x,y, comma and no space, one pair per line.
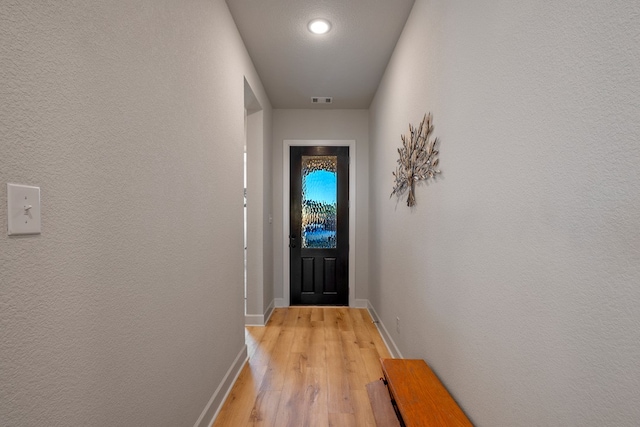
330,282
319,225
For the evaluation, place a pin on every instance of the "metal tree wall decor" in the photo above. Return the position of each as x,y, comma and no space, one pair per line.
418,159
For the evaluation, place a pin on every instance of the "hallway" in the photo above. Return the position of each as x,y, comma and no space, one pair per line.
307,367
515,276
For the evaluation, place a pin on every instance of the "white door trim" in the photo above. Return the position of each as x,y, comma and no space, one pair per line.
287,143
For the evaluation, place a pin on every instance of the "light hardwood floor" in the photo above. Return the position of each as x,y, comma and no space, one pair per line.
307,367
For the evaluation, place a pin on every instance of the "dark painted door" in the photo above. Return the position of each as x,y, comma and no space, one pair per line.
319,226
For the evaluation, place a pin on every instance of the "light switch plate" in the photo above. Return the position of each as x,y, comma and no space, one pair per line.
23,209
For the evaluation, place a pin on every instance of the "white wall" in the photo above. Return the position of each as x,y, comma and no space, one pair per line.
127,309
324,124
267,214
259,197
516,275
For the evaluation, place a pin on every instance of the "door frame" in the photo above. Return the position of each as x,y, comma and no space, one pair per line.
287,143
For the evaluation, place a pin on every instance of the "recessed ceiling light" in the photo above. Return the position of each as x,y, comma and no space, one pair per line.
319,26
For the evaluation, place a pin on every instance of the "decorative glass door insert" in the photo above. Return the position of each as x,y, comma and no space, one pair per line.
319,202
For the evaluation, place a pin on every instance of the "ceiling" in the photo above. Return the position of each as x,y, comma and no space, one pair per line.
347,63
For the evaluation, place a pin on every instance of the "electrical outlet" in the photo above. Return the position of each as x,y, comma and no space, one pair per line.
397,324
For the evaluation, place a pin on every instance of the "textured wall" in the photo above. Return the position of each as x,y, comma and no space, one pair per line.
267,213
127,309
255,213
516,275
259,230
324,124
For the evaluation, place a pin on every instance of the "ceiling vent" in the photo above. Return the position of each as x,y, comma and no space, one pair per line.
321,100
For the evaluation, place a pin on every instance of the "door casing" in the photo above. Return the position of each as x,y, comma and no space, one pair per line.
287,143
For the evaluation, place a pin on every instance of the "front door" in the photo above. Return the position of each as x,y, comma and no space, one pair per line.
319,226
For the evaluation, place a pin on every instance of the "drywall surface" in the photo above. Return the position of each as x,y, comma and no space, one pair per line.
259,263
127,309
259,240
255,204
267,211
324,124
516,275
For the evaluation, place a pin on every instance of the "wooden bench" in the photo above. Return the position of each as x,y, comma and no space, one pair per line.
411,395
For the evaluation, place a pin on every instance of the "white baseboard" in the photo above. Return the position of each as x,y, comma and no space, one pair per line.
254,319
210,412
386,337
269,311
259,319
360,303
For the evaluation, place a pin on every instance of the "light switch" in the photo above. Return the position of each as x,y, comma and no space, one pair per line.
23,209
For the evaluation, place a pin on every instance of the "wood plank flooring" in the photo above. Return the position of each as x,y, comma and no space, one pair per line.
308,367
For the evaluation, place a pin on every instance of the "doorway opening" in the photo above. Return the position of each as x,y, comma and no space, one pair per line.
286,191
319,225
259,282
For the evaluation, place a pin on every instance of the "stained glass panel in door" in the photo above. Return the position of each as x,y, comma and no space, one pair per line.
319,202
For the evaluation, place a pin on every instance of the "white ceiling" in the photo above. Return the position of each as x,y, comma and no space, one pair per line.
347,63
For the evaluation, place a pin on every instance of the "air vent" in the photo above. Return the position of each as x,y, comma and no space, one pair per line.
321,100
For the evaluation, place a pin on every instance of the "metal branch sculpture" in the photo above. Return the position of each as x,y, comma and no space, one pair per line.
418,159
